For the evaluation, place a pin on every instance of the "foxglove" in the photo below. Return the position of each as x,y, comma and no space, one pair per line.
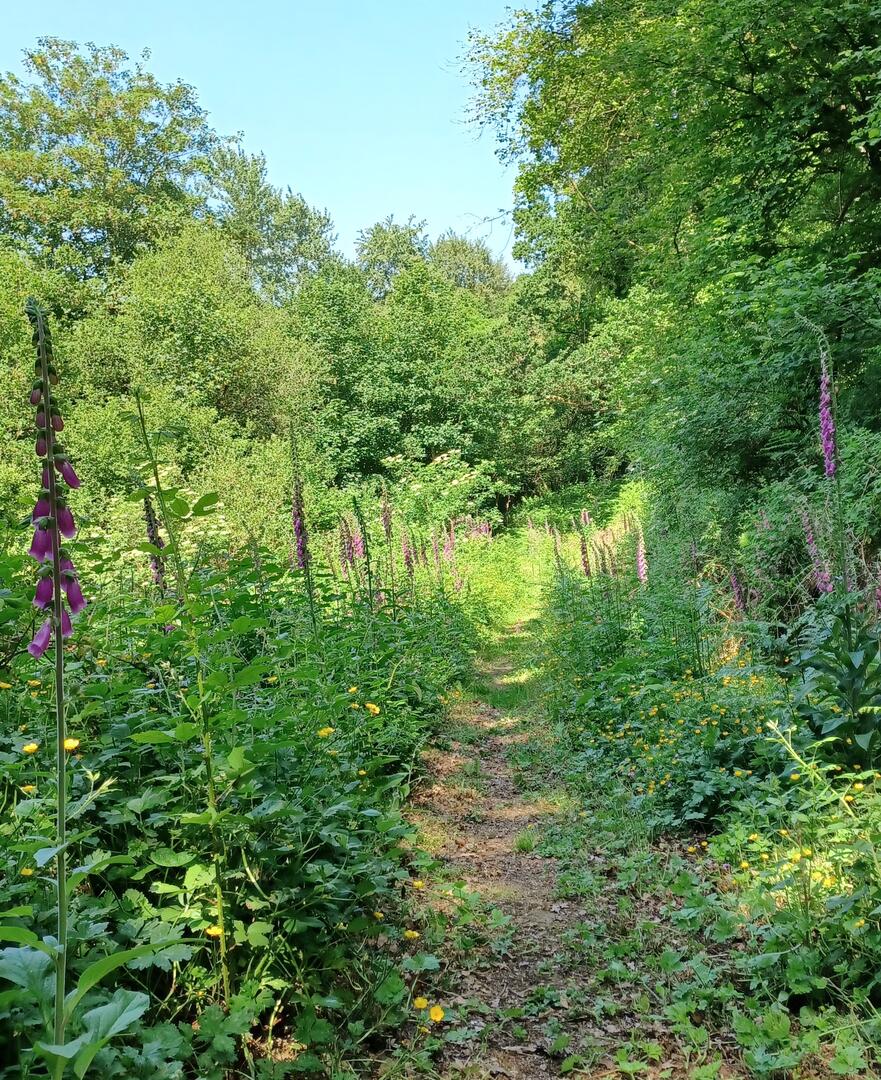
51,516
827,419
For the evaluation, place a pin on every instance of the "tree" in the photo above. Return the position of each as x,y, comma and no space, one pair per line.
386,248
280,235
98,160
468,263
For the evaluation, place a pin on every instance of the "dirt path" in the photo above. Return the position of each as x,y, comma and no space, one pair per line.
584,973
487,829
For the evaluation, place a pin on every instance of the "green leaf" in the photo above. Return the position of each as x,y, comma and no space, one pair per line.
95,972
105,1021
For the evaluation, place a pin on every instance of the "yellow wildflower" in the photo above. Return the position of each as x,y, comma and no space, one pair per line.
214,931
378,915
30,748
71,744
101,662
28,788
371,708
325,732
5,686
420,1002
412,935
436,1014
27,871
353,689
34,683
418,884
795,776
362,772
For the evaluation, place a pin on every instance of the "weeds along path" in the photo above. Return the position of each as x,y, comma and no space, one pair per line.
569,984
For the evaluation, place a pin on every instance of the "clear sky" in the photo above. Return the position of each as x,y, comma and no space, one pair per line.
358,104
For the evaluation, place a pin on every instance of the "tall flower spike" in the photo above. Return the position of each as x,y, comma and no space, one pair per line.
301,536
737,590
51,514
827,419
154,538
585,556
822,577
642,563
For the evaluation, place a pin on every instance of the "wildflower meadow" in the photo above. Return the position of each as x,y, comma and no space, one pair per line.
423,654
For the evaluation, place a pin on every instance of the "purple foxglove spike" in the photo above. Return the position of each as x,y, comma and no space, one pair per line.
41,419
66,524
36,396
70,477
57,423
407,553
585,558
41,640
66,625
66,564
41,447
45,478
450,543
41,545
737,590
357,544
75,597
41,509
642,564
827,420
822,577
43,595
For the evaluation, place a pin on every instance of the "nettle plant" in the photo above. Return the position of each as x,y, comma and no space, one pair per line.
37,966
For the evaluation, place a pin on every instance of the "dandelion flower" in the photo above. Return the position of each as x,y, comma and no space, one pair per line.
71,744
412,935
436,1014
353,689
420,1002
30,748
325,732
418,884
371,708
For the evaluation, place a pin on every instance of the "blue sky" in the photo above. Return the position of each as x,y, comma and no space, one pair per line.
358,105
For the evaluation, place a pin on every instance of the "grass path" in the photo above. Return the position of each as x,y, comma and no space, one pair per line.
575,978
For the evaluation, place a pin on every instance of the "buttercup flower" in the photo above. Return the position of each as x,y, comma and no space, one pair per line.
30,748
71,744
325,732
374,710
420,1002
214,931
27,871
436,1014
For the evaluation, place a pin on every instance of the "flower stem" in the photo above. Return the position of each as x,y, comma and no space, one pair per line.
60,718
